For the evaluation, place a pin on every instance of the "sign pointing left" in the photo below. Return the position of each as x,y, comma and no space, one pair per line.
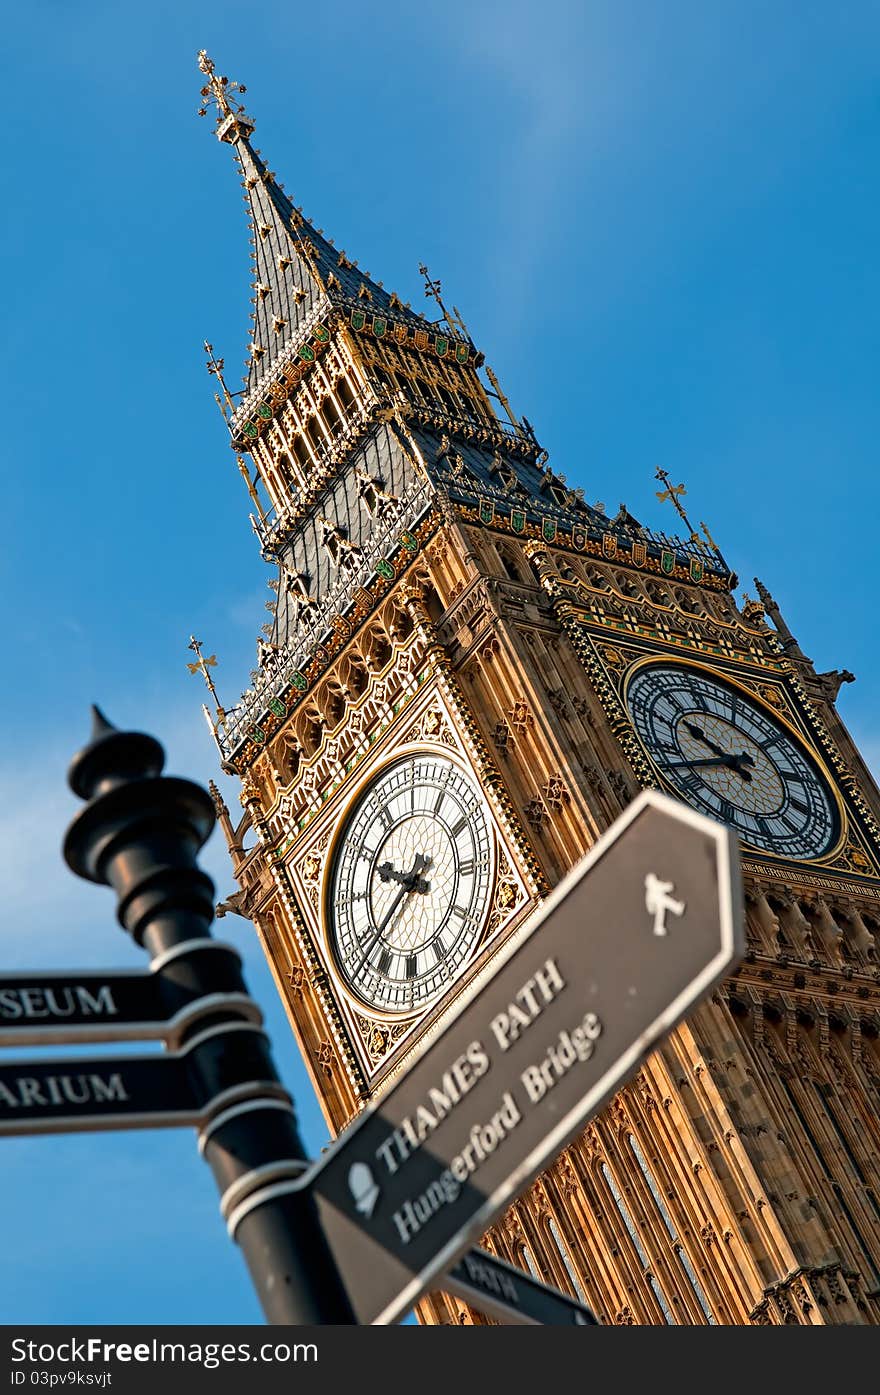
65,1096
223,1063
43,1008
37,1007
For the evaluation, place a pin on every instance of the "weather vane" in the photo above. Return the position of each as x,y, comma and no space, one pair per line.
201,666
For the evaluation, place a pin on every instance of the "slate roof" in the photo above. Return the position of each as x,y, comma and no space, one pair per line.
297,272
380,457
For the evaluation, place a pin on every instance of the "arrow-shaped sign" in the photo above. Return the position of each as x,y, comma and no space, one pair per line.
42,1008
626,945
496,1287
225,1061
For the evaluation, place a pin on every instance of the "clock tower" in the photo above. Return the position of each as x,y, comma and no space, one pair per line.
468,673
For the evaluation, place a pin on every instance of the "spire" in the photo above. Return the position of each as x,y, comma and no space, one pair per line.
298,275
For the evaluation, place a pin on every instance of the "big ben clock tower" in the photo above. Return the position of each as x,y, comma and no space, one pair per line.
468,674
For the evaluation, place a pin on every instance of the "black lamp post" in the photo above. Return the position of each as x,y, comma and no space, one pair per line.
140,832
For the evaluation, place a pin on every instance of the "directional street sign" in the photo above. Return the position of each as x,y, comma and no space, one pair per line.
69,1096
40,1007
222,1063
625,946
497,1288
48,1008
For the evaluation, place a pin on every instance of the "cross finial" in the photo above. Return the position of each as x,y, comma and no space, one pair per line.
673,493
432,290
215,367
201,666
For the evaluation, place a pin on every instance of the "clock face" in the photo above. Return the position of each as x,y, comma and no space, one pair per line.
409,887
727,755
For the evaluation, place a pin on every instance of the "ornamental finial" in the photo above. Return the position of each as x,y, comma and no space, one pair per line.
433,289
215,368
201,666
673,493
232,119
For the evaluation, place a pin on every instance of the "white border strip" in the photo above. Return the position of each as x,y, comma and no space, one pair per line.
169,1030
227,1115
189,947
257,1178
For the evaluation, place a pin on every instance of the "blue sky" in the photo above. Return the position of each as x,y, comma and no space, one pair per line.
660,223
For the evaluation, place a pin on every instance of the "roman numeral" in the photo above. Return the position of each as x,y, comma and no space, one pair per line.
457,828
384,962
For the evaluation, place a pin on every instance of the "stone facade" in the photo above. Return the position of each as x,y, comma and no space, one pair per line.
437,587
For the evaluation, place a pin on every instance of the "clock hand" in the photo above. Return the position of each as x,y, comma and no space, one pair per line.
700,735
729,761
410,881
740,763
732,762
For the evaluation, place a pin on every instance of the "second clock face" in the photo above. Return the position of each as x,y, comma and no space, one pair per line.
726,754
409,889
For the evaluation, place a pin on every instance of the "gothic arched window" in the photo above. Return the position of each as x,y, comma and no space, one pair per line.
567,1261
637,1245
526,1261
677,1247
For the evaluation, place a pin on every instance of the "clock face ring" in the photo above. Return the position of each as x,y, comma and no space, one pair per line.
723,752
408,890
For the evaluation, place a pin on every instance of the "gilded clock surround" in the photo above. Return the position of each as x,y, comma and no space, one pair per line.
436,585
428,721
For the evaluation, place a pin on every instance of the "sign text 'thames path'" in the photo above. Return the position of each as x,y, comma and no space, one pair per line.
628,943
